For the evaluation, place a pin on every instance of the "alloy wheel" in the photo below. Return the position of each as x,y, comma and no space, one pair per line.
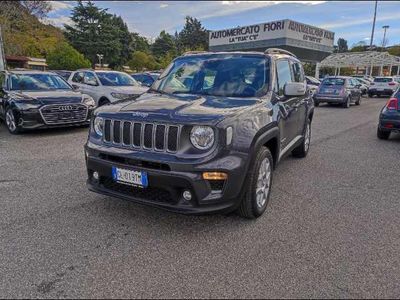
263,182
307,137
10,120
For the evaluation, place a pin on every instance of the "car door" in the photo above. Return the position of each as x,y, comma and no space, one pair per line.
287,105
91,84
300,106
77,81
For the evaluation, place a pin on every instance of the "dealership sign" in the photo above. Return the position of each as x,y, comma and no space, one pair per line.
273,30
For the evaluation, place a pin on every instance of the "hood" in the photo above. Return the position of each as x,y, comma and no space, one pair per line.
129,89
178,108
49,97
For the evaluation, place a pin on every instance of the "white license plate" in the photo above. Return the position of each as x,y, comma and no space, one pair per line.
137,178
380,88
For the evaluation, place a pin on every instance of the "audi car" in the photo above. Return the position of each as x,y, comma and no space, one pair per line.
34,99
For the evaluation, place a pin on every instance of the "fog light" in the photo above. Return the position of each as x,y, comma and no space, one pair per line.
214,176
96,175
187,195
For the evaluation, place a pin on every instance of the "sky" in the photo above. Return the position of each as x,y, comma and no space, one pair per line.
351,20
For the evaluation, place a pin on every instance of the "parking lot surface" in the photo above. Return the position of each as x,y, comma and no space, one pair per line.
332,227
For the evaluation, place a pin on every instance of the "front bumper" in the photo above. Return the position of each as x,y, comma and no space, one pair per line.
329,98
168,180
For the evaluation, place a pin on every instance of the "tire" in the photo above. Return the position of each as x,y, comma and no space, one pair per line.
253,205
11,121
383,135
301,151
316,104
358,102
347,103
370,95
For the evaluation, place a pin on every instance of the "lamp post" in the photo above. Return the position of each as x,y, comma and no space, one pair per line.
373,26
100,56
386,27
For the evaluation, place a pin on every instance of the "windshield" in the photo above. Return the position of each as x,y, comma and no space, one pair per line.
333,81
116,79
38,82
228,76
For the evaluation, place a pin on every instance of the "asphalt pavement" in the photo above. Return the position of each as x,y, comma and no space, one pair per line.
332,228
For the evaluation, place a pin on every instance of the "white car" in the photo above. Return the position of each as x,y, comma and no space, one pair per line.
382,86
106,86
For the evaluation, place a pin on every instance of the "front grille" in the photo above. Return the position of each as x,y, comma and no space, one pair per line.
63,113
156,137
149,193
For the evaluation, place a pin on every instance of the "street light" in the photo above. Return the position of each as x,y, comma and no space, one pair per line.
373,27
384,35
100,56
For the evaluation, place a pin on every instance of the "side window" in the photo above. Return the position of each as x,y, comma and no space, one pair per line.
78,77
298,72
283,74
350,83
90,78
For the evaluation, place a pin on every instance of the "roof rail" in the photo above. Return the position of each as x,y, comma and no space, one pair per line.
194,52
278,51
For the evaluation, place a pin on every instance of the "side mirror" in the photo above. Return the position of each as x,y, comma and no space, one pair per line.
293,89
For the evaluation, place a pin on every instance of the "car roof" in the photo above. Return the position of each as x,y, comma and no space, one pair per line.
239,53
31,72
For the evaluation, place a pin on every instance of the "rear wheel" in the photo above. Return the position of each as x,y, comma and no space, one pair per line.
383,135
346,104
258,191
370,95
302,150
358,102
11,121
316,103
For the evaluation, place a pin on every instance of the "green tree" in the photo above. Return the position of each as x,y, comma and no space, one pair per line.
193,36
141,61
164,43
65,57
395,50
94,31
140,43
342,45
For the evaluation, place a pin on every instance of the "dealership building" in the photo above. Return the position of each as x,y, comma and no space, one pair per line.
308,43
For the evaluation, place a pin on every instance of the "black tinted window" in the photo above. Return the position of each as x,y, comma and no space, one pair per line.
283,75
383,79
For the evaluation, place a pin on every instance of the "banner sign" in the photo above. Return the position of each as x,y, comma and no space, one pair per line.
272,30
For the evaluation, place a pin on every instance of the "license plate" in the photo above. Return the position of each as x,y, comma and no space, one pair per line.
380,89
130,177
328,91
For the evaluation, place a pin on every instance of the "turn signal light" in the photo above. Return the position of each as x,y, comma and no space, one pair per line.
392,83
392,104
215,176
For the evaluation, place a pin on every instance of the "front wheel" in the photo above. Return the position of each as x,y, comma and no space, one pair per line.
11,122
258,191
302,150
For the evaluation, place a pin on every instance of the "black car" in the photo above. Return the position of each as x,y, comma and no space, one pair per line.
146,78
207,135
338,90
35,99
389,118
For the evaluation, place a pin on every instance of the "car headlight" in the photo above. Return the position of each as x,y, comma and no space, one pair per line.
120,96
202,137
88,101
98,125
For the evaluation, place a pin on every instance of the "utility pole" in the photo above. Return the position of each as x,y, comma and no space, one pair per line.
384,35
2,56
373,26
